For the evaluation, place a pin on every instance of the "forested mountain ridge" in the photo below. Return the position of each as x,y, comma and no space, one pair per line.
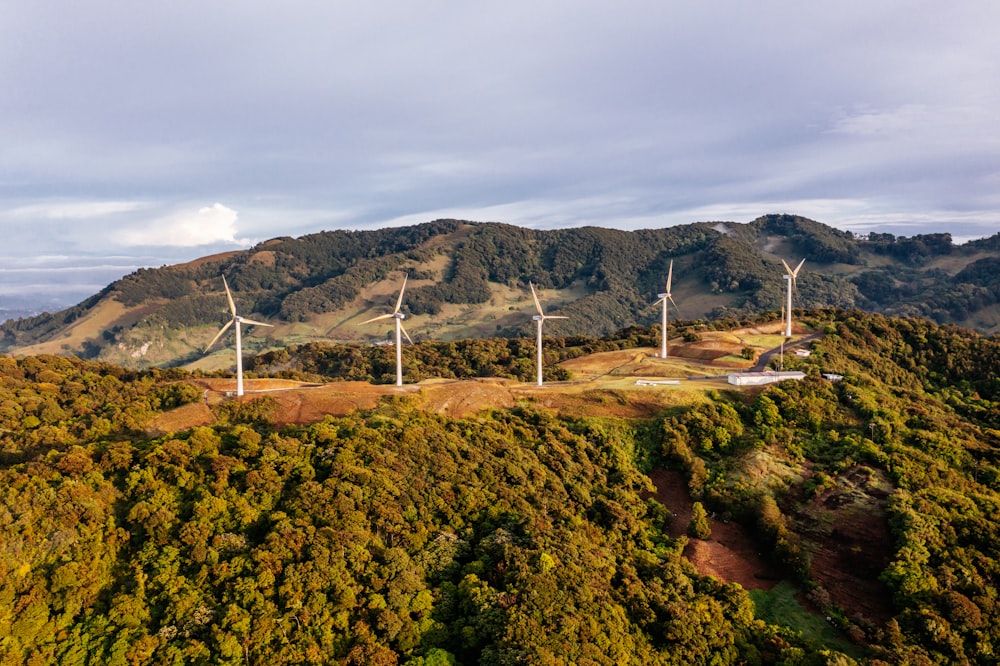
470,280
394,535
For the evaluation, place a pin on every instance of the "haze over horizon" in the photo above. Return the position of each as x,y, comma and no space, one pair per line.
142,135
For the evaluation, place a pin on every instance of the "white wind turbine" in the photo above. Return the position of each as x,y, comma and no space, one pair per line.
399,317
539,318
666,299
790,277
239,344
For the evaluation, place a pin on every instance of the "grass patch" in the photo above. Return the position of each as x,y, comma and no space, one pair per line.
763,341
779,606
733,361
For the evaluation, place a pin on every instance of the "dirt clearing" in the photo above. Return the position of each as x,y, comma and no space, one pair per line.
730,554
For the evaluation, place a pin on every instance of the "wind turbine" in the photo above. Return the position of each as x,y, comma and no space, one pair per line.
239,349
790,276
539,318
399,317
666,299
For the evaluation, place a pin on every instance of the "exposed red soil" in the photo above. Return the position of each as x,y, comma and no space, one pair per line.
847,558
182,418
308,405
855,549
464,398
302,403
730,554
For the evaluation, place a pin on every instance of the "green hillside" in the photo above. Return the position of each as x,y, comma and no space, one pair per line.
518,535
469,280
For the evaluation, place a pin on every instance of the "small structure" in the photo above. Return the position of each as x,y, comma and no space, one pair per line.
832,377
803,353
657,382
762,378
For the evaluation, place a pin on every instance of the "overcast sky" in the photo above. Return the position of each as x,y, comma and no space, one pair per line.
144,133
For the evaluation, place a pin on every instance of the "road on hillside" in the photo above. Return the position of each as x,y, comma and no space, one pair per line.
765,358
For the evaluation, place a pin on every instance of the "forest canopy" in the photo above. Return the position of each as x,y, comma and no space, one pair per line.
395,535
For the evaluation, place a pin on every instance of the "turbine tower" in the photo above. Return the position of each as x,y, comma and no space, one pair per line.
666,299
539,318
790,277
239,344
399,317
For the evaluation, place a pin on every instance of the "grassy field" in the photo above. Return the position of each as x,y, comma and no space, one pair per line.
762,341
779,606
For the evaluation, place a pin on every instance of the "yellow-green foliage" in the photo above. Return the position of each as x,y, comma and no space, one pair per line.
397,536
390,536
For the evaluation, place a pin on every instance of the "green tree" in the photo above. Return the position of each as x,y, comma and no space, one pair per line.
699,528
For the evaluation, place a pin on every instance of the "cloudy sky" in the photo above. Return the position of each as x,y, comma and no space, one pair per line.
140,134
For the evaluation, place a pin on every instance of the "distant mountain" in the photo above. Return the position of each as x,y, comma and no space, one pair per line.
17,313
469,279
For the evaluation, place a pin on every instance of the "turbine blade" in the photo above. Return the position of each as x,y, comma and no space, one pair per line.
399,301
555,317
660,300
670,275
404,332
796,271
788,269
389,315
229,296
538,305
219,334
255,323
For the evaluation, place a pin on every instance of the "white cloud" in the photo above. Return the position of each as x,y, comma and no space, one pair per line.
831,211
611,211
76,210
879,122
211,224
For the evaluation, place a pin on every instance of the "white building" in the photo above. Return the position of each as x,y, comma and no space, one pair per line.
761,378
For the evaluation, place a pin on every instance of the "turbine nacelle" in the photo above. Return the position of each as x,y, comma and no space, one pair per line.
792,275
237,319
244,320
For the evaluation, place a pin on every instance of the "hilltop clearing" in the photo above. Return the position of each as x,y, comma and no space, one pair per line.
603,384
700,351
